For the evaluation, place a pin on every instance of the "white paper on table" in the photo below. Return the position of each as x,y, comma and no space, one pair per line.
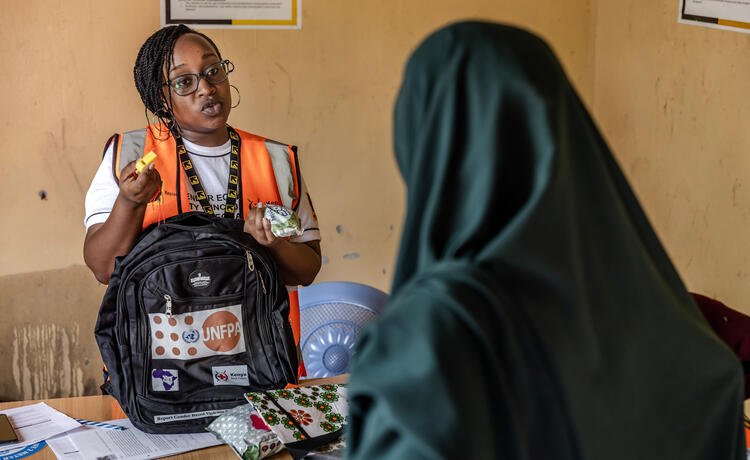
64,448
37,422
133,444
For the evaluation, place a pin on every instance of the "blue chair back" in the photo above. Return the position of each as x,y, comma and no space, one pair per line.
332,315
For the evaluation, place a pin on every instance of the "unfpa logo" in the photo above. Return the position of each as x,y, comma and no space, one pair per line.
222,331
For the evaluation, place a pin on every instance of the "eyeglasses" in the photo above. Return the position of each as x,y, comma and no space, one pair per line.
188,83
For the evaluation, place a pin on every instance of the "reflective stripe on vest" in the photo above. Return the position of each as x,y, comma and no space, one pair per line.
269,172
282,157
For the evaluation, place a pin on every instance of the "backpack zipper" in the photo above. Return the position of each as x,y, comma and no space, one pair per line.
261,307
251,266
168,306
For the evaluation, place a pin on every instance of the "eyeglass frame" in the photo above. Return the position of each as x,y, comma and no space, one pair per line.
223,63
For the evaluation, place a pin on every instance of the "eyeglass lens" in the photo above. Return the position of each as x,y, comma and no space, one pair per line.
186,84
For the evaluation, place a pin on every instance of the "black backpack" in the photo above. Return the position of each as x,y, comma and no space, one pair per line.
194,317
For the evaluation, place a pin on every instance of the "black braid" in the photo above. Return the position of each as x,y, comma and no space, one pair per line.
148,71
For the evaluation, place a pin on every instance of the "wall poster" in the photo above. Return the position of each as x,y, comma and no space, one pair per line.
718,14
233,14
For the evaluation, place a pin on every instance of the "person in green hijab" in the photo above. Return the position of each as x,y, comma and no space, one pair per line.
534,313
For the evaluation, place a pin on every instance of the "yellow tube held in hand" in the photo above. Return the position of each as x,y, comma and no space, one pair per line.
145,161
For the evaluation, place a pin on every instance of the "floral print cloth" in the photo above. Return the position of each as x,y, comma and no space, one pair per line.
298,413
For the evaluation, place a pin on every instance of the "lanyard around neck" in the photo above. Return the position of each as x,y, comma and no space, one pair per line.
192,175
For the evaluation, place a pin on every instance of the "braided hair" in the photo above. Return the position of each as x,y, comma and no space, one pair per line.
148,71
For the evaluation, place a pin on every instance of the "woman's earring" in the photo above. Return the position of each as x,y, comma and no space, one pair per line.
159,115
164,119
238,95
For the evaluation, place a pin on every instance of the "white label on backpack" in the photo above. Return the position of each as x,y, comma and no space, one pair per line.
165,380
188,416
230,375
197,334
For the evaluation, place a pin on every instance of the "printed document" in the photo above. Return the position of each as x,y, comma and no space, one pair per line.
37,422
130,444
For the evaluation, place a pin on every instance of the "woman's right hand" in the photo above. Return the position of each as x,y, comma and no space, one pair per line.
141,189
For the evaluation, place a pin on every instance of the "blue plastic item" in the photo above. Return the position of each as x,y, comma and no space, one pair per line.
332,315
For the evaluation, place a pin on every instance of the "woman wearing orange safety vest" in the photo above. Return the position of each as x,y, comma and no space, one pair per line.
201,164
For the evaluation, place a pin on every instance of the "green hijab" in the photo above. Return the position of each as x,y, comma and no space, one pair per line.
534,313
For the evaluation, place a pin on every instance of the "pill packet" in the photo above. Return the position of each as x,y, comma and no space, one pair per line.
246,433
284,221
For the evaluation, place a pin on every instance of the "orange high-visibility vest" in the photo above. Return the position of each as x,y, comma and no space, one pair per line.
269,174
269,171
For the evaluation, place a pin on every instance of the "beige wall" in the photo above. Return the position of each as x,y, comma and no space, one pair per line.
328,88
672,100
668,97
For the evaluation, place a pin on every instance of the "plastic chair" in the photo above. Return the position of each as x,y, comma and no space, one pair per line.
332,315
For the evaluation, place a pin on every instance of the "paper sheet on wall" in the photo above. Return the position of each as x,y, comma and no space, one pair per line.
244,14
719,14
130,444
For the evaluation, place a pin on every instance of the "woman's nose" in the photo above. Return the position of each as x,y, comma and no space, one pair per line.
205,88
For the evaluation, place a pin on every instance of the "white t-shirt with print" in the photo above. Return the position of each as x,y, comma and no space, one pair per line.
212,166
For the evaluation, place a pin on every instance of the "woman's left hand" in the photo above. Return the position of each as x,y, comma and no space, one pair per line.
260,228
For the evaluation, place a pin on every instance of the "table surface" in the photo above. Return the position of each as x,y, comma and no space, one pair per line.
103,408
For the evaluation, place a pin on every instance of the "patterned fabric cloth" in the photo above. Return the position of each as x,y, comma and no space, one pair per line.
297,414
246,433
